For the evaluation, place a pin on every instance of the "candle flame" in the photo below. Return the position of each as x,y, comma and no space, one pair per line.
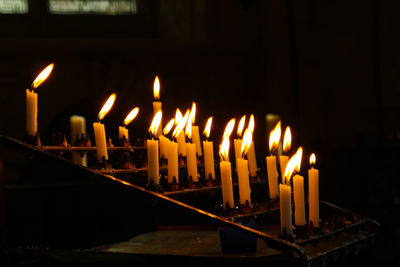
107,106
193,112
155,124
188,129
181,125
287,139
207,129
241,126
312,159
131,116
224,149
274,136
293,164
178,116
156,88
44,74
229,128
246,142
251,123
168,128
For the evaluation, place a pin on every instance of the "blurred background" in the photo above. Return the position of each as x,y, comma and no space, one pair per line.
330,70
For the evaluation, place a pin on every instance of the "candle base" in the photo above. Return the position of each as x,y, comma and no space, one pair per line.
314,230
246,208
174,186
301,231
286,236
32,140
154,187
193,185
124,141
210,182
126,161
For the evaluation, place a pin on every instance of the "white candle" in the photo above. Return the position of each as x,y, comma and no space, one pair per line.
123,132
77,128
272,177
173,168
298,196
226,175
196,140
285,204
226,183
101,141
209,168
157,105
313,195
181,143
153,169
283,160
237,145
31,112
163,146
191,161
244,180
251,157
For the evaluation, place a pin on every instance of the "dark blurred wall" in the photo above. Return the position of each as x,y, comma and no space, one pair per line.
330,69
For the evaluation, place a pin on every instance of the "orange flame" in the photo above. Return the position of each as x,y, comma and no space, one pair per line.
312,159
287,140
188,129
274,136
224,149
293,164
229,128
168,128
181,125
207,129
246,142
44,74
241,126
155,123
192,115
156,88
251,123
107,106
131,116
178,116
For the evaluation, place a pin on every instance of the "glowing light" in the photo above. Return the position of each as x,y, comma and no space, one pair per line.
181,125
169,126
155,124
188,129
44,74
178,116
107,106
246,142
251,123
287,140
192,115
293,164
241,126
207,129
275,136
224,150
313,159
131,116
156,88
229,128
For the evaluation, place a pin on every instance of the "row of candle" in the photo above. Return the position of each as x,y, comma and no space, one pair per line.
170,147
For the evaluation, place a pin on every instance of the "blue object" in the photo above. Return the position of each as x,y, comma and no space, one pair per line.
235,241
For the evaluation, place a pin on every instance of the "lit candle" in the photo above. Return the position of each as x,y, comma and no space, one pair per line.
191,159
164,141
285,201
172,152
251,154
99,131
271,120
209,169
123,132
243,170
77,129
181,137
272,170
237,142
287,141
153,168
195,131
313,193
157,105
32,101
226,175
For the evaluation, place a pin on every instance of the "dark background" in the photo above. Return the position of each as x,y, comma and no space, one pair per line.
330,69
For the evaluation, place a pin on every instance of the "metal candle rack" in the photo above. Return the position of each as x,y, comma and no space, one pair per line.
341,233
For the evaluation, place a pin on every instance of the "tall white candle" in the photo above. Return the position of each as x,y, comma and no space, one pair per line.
77,128
283,160
196,140
244,180
191,161
209,168
181,143
173,168
152,161
298,196
101,141
163,146
251,157
31,112
272,177
313,194
226,175
157,105
285,204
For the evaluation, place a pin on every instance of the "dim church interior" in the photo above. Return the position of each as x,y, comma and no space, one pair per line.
330,69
